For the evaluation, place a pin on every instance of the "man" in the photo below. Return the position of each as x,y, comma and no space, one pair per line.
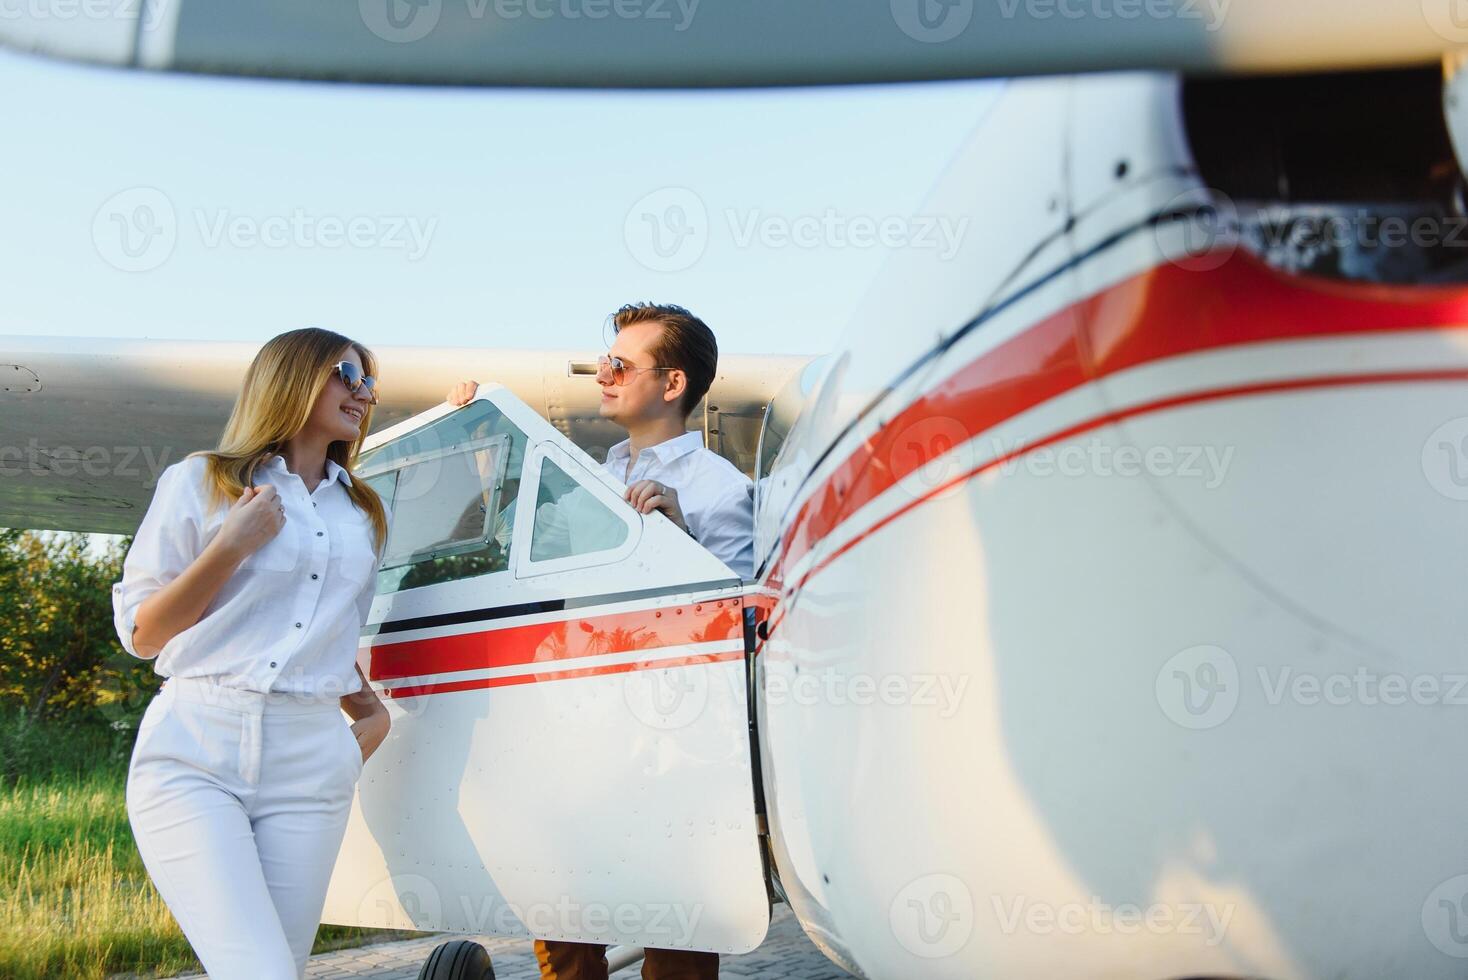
659,368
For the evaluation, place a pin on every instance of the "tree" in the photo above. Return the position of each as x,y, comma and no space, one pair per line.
59,653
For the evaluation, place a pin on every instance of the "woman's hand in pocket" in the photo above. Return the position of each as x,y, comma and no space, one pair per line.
370,731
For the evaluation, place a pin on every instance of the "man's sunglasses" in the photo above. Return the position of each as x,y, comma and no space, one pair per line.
355,380
618,369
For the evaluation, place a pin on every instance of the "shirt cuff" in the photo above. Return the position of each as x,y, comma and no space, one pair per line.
122,620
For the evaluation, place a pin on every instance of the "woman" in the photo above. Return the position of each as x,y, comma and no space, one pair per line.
248,581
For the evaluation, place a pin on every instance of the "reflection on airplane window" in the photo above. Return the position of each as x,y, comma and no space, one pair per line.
451,486
569,520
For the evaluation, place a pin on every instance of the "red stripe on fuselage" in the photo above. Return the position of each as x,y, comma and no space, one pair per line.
444,687
554,642
1165,312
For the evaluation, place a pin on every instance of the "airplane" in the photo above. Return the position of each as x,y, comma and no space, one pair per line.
1103,621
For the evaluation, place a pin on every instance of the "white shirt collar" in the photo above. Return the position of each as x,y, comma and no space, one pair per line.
334,470
664,452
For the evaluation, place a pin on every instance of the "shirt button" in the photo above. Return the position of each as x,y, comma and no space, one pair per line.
298,626
272,663
319,533
314,575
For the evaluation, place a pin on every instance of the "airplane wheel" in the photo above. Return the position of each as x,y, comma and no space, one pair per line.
458,960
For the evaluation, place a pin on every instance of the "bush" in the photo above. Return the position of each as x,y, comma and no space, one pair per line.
61,666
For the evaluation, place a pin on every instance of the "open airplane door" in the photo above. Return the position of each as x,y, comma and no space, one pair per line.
569,755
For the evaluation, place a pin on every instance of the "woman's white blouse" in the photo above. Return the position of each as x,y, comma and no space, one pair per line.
290,617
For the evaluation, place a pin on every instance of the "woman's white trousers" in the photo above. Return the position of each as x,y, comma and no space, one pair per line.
238,803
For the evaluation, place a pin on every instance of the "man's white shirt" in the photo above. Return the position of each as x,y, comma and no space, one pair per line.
716,498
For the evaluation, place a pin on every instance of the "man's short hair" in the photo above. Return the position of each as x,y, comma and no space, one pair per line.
686,343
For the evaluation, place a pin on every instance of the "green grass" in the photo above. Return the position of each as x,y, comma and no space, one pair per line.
75,900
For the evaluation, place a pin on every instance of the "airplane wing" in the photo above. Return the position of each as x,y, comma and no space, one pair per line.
87,425
685,43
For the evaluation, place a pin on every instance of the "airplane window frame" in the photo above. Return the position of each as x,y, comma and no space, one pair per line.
391,560
521,562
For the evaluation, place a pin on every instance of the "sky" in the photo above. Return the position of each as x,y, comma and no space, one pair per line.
167,206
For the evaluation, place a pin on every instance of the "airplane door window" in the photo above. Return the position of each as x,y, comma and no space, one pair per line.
451,486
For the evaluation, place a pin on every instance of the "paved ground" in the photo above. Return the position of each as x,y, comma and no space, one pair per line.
785,955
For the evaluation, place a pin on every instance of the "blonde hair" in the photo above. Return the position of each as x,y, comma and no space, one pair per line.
281,387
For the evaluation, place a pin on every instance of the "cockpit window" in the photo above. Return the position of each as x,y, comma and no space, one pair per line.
569,520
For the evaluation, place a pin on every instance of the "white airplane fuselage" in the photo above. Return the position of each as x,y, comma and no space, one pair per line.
1105,581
